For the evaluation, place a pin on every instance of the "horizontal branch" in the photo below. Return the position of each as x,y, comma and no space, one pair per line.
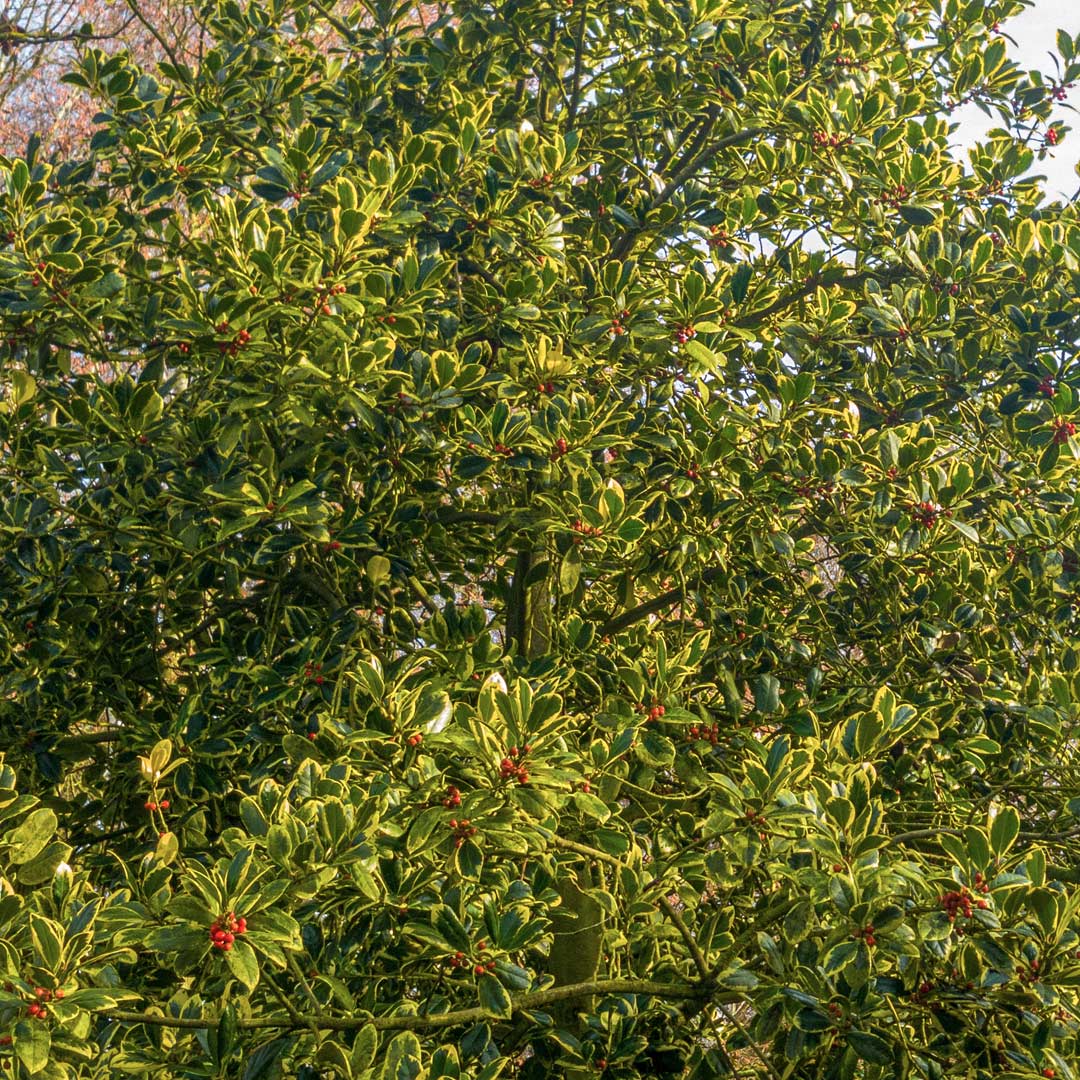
885,274
538,999
658,603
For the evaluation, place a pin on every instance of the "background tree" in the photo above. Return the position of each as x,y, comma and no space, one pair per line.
564,560
40,39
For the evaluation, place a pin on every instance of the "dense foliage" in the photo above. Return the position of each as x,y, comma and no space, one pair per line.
546,547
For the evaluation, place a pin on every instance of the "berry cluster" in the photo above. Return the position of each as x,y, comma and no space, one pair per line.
823,139
311,671
579,526
538,182
940,285
333,545
894,196
617,328
959,902
756,820
301,187
837,1015
152,806
453,797
718,238
1029,974
545,387
224,931
502,448
866,934
238,342
1047,386
805,488
703,733
693,473
656,712
926,514
1053,136
37,1008
511,766
1064,430
460,960
684,333
560,448
462,830
849,62
415,739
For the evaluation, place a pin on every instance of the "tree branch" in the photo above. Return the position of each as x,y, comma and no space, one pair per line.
688,164
668,907
886,274
658,603
537,999
579,53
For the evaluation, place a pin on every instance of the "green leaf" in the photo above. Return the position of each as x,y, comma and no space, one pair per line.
31,836
403,1058
740,282
917,215
767,693
1004,829
364,1048
872,1048
964,529
433,711
48,940
32,1042
450,927
23,386
243,963
494,998
377,570
570,571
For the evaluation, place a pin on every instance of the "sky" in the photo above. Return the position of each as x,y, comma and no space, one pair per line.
1034,33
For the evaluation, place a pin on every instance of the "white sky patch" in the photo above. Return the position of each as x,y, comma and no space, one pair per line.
1034,32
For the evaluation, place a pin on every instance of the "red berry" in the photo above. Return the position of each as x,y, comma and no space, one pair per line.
479,969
